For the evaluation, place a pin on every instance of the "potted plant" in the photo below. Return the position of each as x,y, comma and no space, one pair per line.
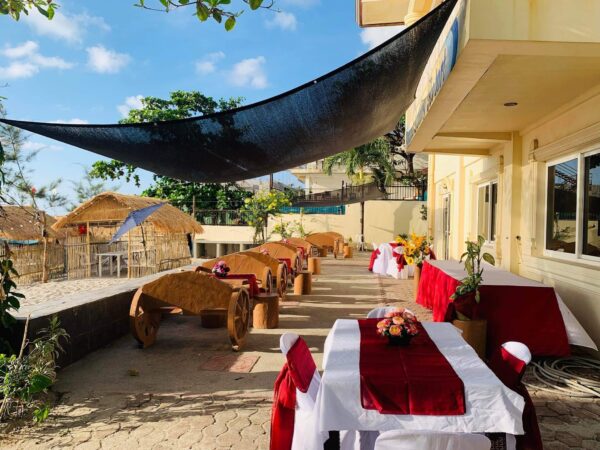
466,297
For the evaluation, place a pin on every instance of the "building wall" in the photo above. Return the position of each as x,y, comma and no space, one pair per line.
520,168
384,220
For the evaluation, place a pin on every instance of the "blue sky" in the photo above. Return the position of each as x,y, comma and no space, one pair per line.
96,57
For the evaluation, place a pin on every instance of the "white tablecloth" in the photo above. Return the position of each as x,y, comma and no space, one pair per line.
490,406
494,276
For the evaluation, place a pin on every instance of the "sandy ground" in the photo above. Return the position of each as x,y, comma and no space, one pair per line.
42,292
175,402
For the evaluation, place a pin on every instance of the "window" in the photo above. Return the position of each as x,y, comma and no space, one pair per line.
487,199
561,224
591,206
573,206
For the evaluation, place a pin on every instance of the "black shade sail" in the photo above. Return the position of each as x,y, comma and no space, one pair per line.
348,107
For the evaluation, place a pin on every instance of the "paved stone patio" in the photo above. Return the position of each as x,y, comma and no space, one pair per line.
164,396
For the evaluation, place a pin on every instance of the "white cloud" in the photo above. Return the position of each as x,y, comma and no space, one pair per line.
74,121
133,102
34,146
103,60
70,28
208,64
249,72
18,69
283,20
27,61
374,36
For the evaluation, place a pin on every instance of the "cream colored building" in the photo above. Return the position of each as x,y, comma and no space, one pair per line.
508,110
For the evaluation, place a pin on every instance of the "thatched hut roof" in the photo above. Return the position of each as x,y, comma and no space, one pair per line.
112,207
19,223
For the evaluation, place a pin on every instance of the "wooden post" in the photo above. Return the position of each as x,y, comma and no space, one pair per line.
89,250
45,251
129,254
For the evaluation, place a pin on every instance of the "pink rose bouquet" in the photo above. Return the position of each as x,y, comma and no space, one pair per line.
220,269
399,324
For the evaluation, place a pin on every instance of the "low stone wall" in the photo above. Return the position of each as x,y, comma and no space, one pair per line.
92,318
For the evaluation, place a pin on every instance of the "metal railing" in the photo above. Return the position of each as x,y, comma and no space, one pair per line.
230,217
363,192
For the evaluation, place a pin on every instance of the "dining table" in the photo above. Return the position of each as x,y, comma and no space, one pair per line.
516,308
488,405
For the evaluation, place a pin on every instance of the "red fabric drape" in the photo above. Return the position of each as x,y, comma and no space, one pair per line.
374,256
252,281
510,369
302,365
527,314
283,411
416,379
287,262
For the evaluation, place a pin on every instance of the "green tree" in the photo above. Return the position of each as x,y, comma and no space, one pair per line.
373,157
88,187
204,10
258,208
182,194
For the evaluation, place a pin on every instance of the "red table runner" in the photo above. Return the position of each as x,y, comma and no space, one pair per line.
416,379
527,314
252,281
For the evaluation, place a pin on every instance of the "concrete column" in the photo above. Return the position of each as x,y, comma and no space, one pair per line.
220,249
242,247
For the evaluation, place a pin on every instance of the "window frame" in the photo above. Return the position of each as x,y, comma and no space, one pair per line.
490,215
578,256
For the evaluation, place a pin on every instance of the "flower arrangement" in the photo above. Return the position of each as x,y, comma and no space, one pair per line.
221,269
417,248
399,326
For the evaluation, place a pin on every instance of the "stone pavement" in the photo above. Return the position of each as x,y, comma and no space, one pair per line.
166,396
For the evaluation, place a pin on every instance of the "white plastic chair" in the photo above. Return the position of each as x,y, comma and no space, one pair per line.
421,440
377,313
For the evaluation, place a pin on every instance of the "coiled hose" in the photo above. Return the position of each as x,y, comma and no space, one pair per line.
566,376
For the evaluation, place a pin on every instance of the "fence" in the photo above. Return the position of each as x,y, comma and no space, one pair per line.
231,217
28,261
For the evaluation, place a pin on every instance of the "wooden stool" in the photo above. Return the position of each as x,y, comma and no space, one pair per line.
303,283
213,318
314,266
323,252
347,252
266,311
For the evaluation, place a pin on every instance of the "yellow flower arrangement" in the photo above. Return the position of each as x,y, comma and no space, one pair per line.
416,248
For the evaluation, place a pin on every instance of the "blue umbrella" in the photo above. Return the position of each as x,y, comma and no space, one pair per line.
134,219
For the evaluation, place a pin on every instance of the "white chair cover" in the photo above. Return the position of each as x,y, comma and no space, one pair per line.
399,440
380,312
380,267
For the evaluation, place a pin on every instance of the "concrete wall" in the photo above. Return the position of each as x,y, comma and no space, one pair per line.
384,220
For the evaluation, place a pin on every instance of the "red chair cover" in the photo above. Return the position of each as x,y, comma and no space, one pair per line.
297,373
510,369
283,411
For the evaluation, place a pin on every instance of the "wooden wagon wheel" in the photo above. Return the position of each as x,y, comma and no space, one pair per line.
144,320
238,318
282,275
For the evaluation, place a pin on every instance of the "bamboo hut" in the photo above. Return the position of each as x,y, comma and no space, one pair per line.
160,243
21,227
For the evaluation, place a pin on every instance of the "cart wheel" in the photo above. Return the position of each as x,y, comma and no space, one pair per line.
238,318
143,320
